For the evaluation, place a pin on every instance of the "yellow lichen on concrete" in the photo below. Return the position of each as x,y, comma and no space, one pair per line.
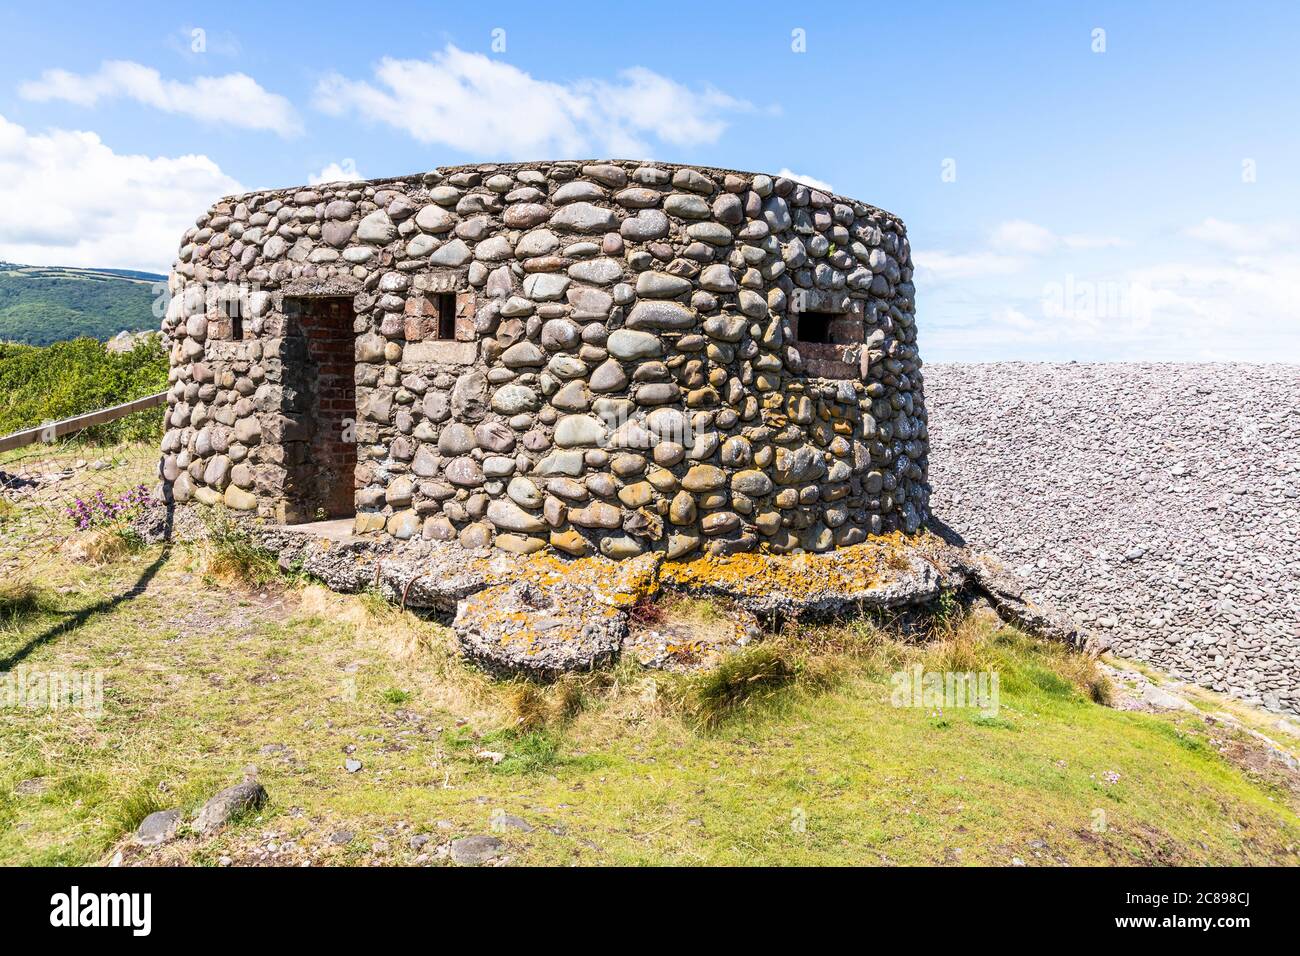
495,613
547,614
851,570
623,584
619,584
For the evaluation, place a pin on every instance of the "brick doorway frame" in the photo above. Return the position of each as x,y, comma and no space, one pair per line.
320,392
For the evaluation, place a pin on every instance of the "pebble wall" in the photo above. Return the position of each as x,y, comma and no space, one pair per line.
600,356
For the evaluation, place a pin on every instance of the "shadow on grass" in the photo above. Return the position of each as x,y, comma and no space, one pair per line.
78,618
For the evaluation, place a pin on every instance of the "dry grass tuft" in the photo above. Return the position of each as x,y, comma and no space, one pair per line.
1102,691
528,704
962,648
864,642
536,707
427,651
605,704
230,556
749,675
22,600
1082,671
107,545
570,697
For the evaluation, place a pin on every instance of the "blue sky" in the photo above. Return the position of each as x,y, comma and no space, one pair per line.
1069,194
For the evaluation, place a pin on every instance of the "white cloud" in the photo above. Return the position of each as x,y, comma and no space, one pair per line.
1226,302
806,180
939,265
1021,236
479,105
341,172
642,101
66,198
1015,319
1243,307
1094,242
235,99
1011,248
1243,237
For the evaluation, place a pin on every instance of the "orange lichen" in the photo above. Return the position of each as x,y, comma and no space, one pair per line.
594,589
496,610
620,584
846,570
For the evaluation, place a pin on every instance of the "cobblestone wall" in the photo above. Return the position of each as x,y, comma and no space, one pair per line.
613,355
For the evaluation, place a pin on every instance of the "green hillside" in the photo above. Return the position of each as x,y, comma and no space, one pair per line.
40,305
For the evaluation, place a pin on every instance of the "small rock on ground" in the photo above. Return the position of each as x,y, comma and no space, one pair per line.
476,850
228,803
158,827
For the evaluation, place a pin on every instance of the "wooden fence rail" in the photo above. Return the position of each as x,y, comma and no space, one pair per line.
52,430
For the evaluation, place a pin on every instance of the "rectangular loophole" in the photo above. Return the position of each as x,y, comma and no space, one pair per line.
446,306
815,326
235,314
827,342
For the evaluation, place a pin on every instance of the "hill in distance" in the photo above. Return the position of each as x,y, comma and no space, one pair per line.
40,305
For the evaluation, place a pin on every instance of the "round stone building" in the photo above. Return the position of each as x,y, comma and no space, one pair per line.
598,357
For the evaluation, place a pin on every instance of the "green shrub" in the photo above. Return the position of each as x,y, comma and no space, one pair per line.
39,385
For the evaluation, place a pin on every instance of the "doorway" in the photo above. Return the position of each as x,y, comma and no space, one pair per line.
320,385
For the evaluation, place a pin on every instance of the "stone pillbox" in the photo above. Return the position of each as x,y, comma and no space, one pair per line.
613,357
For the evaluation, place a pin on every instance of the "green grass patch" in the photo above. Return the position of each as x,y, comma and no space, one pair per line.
791,752
23,601
750,676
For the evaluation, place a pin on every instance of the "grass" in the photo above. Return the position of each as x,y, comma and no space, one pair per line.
529,705
748,677
21,601
129,812
621,766
231,556
107,545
